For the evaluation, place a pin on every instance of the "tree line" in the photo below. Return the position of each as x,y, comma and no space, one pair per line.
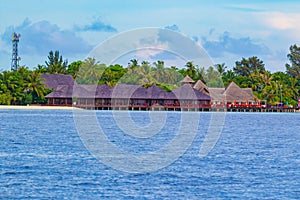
24,86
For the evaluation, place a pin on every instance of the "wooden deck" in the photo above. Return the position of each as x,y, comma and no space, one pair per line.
194,108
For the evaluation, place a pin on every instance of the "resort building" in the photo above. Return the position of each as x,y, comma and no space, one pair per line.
231,96
135,97
62,86
123,96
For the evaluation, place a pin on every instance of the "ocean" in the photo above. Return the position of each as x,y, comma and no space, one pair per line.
60,154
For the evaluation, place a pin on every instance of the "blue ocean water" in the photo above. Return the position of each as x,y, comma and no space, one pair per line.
256,157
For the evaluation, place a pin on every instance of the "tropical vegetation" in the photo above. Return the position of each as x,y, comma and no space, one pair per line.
24,86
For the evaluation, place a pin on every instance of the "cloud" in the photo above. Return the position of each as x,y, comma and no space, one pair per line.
97,26
244,8
281,21
184,47
173,27
243,46
287,24
40,37
211,31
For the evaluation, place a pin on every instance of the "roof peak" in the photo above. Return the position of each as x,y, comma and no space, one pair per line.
187,79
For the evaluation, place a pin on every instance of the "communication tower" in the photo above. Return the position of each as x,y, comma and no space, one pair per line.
15,59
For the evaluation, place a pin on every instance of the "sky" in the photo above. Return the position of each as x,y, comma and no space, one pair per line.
227,30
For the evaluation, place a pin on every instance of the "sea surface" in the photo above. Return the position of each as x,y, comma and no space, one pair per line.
256,156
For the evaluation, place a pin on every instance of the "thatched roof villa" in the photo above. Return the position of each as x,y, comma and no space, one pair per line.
67,92
231,95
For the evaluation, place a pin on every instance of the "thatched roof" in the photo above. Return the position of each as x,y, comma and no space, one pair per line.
249,92
52,81
217,93
235,93
123,91
64,86
186,92
200,86
103,91
139,92
61,91
61,84
152,92
85,91
157,93
232,93
187,79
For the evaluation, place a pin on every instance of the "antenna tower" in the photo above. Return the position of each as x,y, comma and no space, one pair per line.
15,59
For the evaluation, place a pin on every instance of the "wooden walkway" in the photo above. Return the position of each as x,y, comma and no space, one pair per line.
204,108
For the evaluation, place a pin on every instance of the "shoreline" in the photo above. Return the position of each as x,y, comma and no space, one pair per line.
36,107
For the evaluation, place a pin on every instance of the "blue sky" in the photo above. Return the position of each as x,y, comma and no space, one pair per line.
227,30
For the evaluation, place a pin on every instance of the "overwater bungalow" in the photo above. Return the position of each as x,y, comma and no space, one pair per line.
62,86
67,92
231,96
126,96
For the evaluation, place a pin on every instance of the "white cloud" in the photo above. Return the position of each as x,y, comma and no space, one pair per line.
243,46
38,38
244,7
42,36
284,24
281,21
97,25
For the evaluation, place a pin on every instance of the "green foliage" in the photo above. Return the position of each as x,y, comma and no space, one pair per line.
112,75
56,64
293,69
90,71
5,99
246,66
21,87
191,70
73,68
24,86
147,74
228,77
42,69
165,87
213,78
221,68
27,99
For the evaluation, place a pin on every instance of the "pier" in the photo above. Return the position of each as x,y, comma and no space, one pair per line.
206,108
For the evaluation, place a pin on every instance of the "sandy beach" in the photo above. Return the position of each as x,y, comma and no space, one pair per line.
36,107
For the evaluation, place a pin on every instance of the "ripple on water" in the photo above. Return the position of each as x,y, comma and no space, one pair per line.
42,157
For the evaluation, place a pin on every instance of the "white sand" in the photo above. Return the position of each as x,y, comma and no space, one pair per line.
37,107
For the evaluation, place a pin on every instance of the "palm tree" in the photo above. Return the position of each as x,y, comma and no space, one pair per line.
159,71
73,68
255,81
56,64
133,63
90,71
213,78
34,86
293,69
191,70
41,69
14,82
200,71
221,68
294,87
228,77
